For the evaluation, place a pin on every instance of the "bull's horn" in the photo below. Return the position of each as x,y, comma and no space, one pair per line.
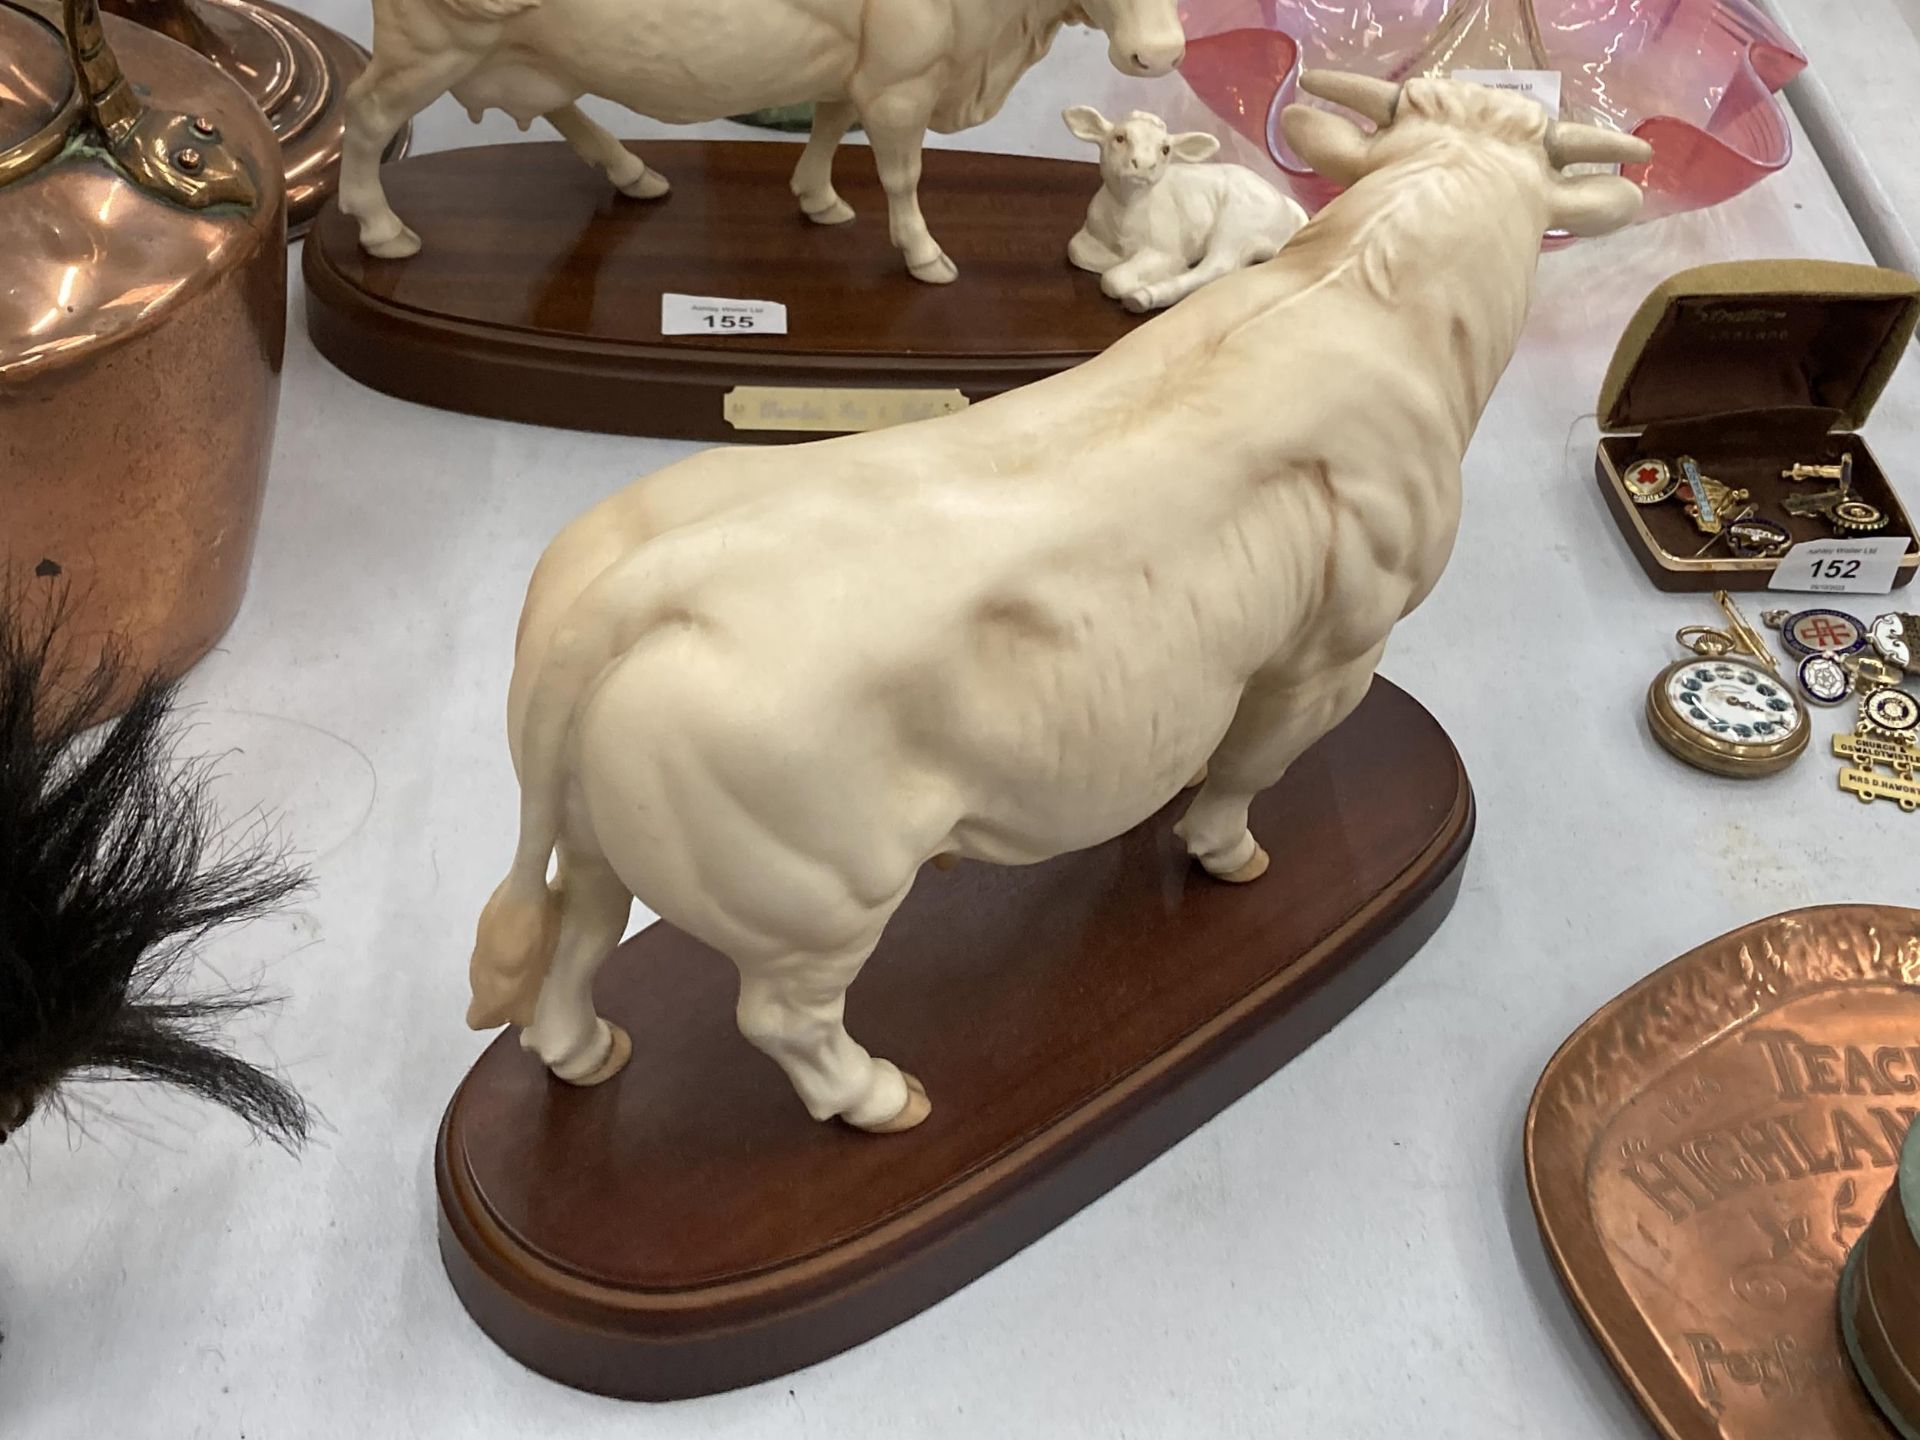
1572,144
1370,97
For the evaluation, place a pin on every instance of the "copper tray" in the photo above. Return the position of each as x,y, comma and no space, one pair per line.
1705,1149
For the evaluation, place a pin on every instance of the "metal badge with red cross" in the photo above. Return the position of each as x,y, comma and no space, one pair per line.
1649,482
1823,632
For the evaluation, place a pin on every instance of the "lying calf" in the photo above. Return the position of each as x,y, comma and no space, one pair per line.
1157,230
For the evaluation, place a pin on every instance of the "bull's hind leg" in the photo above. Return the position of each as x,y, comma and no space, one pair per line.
813,176
574,1042
600,148
794,1010
1272,727
384,98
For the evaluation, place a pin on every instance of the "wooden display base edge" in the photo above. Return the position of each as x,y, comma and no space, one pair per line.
682,1343
475,369
574,382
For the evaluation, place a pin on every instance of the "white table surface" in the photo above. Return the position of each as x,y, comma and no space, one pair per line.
1347,1252
1857,97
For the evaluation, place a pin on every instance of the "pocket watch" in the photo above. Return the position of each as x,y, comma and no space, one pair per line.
1725,708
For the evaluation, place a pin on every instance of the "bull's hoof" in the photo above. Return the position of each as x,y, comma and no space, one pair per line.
937,271
650,185
397,246
834,212
1138,301
619,1052
1252,870
917,1108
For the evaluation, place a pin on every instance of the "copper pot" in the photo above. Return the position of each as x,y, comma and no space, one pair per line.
142,327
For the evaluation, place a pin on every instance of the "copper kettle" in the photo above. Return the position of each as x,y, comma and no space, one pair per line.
142,328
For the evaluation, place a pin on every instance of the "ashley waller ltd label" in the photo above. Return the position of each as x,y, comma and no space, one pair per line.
1540,85
716,315
1841,566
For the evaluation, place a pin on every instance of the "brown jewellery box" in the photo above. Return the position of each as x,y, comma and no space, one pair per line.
1750,367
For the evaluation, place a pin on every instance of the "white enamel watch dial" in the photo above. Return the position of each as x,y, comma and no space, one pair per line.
1732,699
1725,708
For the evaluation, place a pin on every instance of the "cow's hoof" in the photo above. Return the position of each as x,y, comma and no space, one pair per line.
650,185
1252,870
835,212
619,1052
1199,777
397,246
917,1108
1138,301
937,271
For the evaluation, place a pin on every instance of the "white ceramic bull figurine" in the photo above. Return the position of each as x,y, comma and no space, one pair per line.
900,67
761,688
1164,222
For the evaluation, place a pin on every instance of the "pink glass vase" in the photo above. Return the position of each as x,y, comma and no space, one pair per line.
1696,79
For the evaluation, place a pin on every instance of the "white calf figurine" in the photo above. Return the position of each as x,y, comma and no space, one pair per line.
900,67
761,688
1165,223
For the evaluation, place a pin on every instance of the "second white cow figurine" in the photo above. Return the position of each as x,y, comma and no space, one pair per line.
762,688
900,67
1164,222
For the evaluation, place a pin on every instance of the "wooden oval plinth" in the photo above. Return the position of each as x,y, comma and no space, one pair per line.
536,294
685,1228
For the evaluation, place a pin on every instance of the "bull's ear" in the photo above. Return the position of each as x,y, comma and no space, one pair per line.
1594,204
1194,146
1087,123
1332,144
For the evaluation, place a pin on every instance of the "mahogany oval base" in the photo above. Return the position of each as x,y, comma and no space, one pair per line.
536,293
686,1228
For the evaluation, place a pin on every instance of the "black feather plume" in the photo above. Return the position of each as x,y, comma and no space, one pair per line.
112,869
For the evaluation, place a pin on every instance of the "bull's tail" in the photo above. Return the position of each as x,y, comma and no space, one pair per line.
513,948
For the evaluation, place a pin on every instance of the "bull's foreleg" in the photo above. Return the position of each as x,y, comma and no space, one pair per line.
1273,726
896,121
600,148
794,1009
385,97
813,176
573,1041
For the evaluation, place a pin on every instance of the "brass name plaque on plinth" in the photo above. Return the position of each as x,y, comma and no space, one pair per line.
834,411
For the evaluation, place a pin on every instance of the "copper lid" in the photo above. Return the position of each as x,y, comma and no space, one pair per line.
122,196
38,99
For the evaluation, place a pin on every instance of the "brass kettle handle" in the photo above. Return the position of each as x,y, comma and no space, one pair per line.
103,86
181,158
